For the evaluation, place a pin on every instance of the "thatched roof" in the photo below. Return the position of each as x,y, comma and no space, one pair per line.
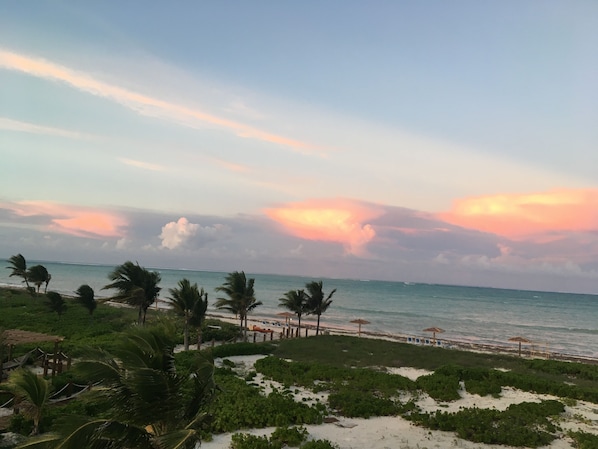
17,336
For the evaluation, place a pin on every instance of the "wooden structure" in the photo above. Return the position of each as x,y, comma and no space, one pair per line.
12,337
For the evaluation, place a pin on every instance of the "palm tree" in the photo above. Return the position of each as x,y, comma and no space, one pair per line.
199,316
316,303
38,274
136,286
18,265
241,297
153,406
86,297
32,391
187,301
296,302
56,303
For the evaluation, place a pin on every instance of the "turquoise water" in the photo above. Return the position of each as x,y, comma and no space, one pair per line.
566,323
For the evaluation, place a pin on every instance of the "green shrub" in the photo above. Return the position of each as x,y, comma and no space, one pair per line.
584,440
289,436
319,444
248,441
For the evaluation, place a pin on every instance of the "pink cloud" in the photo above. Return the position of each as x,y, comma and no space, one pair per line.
138,102
73,220
520,216
335,220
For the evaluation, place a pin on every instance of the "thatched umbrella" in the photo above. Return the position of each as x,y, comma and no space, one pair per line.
434,330
520,340
286,315
360,321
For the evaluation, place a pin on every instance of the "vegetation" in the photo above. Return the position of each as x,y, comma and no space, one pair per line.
31,393
86,297
151,404
240,297
56,303
190,304
296,302
38,275
317,301
139,367
136,286
18,265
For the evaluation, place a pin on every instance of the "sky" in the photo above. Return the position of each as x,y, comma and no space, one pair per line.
440,142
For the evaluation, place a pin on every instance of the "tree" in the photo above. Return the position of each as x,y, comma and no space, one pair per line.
188,302
18,265
38,274
56,303
86,297
316,303
199,316
32,392
153,406
296,302
136,286
241,297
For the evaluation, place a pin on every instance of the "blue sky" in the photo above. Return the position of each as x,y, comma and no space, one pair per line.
424,141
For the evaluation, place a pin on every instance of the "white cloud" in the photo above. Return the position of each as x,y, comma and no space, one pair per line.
176,233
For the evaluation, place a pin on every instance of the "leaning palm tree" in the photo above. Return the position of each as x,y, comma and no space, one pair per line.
296,302
152,405
32,393
56,303
241,297
38,274
136,286
86,297
18,265
187,300
316,303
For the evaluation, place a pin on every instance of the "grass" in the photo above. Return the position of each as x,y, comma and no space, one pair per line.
344,351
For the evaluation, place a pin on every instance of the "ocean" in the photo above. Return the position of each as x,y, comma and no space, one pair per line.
557,322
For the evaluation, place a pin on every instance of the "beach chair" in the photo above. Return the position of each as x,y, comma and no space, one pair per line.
417,340
409,340
427,341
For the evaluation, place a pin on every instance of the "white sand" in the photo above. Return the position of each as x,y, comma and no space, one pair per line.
398,433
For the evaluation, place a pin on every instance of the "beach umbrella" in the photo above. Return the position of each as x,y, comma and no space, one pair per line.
360,321
434,330
286,315
520,340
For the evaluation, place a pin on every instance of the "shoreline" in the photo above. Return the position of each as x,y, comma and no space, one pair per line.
531,350
403,338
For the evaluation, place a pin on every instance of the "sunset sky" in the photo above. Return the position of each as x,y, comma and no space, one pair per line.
442,142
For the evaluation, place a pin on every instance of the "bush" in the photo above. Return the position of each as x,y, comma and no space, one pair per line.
319,444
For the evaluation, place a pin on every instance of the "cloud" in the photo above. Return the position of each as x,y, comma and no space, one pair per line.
174,234
528,215
336,220
140,103
69,219
15,125
141,164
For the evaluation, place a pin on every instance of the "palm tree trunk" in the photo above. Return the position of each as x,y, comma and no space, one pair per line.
318,325
299,326
186,335
198,338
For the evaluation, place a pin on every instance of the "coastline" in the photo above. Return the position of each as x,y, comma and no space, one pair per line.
448,344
